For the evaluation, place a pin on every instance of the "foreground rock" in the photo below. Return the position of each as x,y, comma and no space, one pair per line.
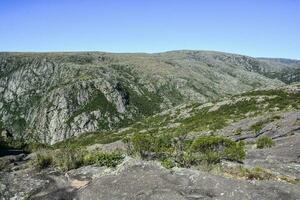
136,179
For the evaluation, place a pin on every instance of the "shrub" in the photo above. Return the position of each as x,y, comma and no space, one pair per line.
142,144
149,146
67,159
4,163
103,159
258,174
238,131
43,159
264,142
211,149
168,163
257,126
236,151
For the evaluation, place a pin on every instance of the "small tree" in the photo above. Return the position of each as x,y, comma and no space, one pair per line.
211,149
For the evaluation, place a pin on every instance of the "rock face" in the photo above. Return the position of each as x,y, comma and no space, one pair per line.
50,97
135,179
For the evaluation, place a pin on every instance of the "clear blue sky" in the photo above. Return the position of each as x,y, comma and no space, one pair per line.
269,28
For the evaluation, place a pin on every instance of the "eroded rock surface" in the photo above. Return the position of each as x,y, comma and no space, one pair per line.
136,179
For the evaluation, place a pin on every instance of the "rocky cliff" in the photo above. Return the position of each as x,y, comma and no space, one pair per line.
49,97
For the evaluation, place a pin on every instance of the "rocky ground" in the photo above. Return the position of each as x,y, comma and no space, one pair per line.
136,179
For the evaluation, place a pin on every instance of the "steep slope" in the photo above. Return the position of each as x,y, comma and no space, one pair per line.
49,97
269,172
286,70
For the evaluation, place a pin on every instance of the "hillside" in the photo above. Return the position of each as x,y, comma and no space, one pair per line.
49,97
241,147
286,70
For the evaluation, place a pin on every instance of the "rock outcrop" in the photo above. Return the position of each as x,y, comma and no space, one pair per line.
135,179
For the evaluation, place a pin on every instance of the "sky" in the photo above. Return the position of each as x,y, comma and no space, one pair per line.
258,28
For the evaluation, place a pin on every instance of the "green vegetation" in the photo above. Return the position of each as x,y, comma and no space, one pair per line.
238,131
280,99
212,149
257,126
297,122
178,151
97,102
264,142
260,124
168,163
3,164
67,159
149,146
198,119
20,143
256,173
103,159
43,159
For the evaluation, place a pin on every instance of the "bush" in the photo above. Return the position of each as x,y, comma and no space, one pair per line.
103,159
142,144
67,159
235,152
257,126
64,159
168,163
264,142
43,159
149,146
211,149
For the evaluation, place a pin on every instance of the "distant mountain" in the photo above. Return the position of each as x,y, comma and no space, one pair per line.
50,97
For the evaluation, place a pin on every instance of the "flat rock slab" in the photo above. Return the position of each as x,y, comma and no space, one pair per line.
137,179
148,180
284,157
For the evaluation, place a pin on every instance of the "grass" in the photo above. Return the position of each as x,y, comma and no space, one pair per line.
257,173
257,126
297,122
264,142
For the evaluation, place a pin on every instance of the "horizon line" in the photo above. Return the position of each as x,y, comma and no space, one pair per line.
143,52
